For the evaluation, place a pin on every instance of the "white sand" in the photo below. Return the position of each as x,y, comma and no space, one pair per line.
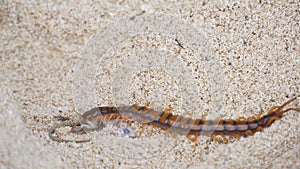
238,58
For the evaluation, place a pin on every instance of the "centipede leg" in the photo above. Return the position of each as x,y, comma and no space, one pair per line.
193,138
147,104
152,130
214,138
259,114
118,118
235,135
129,123
259,128
272,119
103,119
131,119
175,134
113,116
248,132
123,119
142,130
224,138
203,117
150,104
168,110
241,119
251,118
100,120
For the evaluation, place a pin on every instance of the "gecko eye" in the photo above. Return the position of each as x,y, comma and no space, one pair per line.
78,129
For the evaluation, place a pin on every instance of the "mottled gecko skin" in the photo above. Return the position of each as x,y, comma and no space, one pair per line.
90,121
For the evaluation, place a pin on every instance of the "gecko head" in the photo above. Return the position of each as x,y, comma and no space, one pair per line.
90,120
86,125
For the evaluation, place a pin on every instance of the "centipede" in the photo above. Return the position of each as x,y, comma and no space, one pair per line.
218,130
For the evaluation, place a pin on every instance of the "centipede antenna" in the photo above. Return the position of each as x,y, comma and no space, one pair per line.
289,109
285,104
74,109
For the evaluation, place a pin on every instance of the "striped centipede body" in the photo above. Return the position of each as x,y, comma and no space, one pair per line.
98,117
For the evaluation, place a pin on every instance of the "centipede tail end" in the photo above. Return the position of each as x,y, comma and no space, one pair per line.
276,113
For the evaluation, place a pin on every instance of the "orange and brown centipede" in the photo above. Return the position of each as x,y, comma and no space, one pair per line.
98,117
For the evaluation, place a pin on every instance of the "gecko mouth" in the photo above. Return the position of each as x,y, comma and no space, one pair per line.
79,129
86,126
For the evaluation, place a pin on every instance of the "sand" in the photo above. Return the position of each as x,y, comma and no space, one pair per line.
223,59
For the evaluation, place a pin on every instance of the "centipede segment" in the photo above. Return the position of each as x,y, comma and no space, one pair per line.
97,118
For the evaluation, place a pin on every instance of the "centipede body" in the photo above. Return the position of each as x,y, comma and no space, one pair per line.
98,117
